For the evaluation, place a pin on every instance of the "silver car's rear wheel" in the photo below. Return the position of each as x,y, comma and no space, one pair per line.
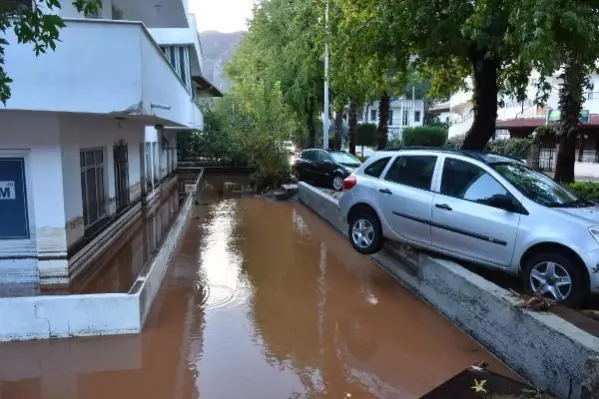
362,233
365,232
338,183
551,279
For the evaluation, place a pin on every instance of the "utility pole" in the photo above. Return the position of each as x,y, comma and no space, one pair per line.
325,115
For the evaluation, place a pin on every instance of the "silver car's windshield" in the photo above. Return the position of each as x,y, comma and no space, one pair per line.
537,186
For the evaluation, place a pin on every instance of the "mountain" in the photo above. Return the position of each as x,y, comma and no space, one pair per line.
217,49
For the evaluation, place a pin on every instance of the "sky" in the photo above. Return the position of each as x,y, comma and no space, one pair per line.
221,15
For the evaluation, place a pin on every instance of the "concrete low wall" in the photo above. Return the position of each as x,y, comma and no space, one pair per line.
551,353
63,316
147,285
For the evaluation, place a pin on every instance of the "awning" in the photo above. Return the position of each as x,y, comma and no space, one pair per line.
206,87
533,123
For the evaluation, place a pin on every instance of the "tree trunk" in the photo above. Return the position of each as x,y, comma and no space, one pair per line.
581,147
570,104
311,131
484,99
383,129
338,128
353,127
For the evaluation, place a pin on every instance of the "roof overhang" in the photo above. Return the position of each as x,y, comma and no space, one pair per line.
533,123
205,86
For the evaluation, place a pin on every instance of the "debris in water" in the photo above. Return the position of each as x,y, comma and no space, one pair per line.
479,366
536,303
479,386
593,314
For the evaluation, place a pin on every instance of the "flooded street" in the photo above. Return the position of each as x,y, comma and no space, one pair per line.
262,300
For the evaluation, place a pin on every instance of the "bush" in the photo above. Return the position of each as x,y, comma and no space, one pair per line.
517,148
427,136
586,190
455,142
366,135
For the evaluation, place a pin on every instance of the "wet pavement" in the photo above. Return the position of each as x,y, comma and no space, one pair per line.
262,300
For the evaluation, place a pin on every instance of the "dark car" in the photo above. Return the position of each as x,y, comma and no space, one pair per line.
327,168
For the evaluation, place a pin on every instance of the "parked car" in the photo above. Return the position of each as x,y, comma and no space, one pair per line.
325,167
482,208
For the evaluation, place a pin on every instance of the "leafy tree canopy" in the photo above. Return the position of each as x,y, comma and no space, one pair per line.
280,49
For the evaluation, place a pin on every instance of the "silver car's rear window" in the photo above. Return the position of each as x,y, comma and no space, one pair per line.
377,167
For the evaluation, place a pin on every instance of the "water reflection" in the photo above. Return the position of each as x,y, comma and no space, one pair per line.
262,300
117,269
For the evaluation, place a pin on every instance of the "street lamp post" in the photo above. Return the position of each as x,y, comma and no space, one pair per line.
325,115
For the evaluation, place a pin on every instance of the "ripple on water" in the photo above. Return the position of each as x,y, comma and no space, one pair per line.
216,296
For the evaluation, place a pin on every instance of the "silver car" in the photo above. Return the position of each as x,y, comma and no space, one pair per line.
482,208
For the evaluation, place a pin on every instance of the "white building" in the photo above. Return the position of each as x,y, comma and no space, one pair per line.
403,113
460,107
89,133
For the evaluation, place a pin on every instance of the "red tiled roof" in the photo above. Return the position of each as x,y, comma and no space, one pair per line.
536,122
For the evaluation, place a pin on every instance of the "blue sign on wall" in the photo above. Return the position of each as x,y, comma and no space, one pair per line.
14,218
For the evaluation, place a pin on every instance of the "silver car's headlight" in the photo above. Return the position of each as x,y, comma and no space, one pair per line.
594,230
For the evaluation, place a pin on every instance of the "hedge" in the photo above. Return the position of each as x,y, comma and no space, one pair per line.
426,136
517,148
586,190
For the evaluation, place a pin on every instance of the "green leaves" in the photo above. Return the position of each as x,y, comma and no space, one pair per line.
38,25
281,50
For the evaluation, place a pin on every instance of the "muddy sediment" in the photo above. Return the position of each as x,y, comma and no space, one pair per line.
262,300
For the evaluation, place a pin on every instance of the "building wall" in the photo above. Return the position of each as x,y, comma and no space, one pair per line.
397,106
87,132
37,135
51,144
461,104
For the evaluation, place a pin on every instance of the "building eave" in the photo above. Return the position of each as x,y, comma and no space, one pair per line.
205,86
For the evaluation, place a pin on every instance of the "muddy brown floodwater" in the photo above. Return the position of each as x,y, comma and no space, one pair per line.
262,300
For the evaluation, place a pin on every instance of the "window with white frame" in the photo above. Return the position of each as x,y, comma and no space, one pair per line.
390,121
178,57
416,116
405,118
373,115
93,190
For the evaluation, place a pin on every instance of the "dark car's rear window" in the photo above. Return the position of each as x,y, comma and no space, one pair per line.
377,167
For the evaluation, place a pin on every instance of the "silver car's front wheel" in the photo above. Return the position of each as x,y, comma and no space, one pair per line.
555,275
550,279
338,183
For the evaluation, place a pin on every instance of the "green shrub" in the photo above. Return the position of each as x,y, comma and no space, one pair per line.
394,142
455,142
586,190
366,135
427,136
517,148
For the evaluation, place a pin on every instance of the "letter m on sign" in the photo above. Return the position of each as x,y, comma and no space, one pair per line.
7,190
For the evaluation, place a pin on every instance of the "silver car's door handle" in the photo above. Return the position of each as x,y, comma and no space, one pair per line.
444,207
385,191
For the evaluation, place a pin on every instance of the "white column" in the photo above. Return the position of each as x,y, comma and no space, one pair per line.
46,171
